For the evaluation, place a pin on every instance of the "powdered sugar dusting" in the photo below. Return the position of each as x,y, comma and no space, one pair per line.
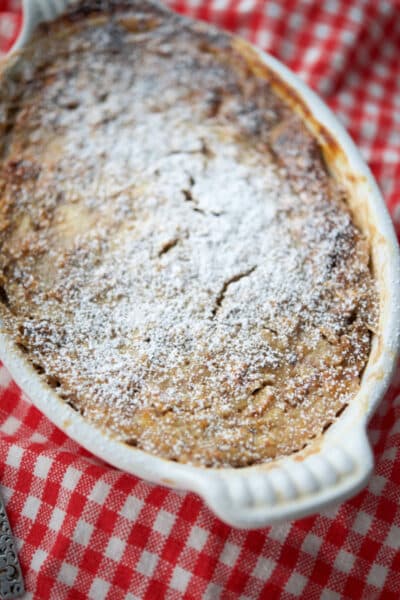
177,287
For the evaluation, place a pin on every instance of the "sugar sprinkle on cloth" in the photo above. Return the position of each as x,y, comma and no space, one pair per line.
87,530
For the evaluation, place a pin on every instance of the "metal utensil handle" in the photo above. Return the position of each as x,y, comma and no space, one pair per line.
11,582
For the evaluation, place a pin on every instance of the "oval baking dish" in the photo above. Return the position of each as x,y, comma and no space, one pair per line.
338,463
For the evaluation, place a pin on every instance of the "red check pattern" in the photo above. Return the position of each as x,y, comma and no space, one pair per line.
86,530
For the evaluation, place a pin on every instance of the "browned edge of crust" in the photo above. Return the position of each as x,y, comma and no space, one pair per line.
334,159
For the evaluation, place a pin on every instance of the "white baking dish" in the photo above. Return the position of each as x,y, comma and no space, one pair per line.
337,464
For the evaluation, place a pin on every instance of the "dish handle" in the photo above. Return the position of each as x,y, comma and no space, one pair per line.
293,487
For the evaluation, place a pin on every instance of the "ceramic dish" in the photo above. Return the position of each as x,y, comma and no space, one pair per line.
337,464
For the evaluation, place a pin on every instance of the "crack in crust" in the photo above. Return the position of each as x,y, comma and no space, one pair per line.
234,279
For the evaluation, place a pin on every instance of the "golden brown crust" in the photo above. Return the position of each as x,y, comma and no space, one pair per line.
175,258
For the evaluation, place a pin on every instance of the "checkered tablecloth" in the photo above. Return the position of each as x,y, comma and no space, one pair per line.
87,530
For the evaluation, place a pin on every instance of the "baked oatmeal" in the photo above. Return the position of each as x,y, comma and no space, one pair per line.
176,260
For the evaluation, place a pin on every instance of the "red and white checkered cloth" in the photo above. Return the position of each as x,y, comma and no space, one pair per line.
87,530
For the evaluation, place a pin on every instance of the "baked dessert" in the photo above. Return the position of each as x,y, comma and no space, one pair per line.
176,260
